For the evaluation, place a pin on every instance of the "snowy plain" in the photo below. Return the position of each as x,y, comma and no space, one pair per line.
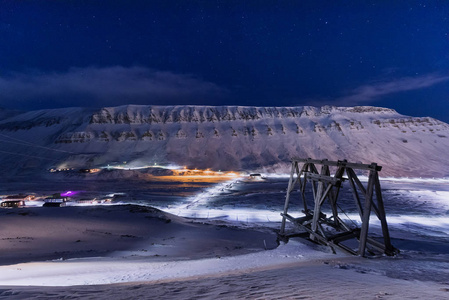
246,267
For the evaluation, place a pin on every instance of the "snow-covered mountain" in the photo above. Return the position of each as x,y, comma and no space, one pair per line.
225,138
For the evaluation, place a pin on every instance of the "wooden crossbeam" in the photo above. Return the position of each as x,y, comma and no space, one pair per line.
343,236
324,178
339,163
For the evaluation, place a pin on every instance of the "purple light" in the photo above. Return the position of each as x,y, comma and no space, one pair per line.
68,194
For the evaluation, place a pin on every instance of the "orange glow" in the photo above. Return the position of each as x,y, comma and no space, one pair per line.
207,172
186,175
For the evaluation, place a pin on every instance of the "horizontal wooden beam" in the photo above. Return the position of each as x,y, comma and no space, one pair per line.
340,163
323,178
343,236
299,220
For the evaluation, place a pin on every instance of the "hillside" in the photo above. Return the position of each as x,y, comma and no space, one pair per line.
222,138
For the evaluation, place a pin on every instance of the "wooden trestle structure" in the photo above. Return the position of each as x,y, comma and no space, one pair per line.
332,231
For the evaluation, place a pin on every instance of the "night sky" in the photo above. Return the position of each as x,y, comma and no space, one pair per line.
265,53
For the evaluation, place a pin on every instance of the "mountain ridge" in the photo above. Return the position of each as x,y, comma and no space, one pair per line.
224,138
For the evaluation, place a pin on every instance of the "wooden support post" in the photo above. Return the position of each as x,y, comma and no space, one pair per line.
383,217
302,185
333,195
357,181
355,194
366,213
287,197
317,208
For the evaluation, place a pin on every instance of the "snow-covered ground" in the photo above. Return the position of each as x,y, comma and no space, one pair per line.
417,214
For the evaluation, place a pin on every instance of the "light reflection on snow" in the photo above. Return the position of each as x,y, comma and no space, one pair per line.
34,203
429,211
415,180
423,220
237,214
258,215
440,197
436,221
276,175
205,195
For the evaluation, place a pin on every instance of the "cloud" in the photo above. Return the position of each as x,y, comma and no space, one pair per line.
369,93
105,87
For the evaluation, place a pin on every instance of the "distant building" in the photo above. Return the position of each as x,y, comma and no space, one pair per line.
55,201
92,170
256,176
15,200
12,203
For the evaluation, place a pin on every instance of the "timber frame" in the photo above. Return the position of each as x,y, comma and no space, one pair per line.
333,231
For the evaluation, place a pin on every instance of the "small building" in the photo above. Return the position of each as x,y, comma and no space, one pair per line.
91,170
12,203
15,200
55,201
255,176
87,201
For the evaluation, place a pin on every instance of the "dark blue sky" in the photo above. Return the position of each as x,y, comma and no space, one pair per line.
266,53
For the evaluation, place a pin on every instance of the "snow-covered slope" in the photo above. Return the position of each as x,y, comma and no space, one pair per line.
226,138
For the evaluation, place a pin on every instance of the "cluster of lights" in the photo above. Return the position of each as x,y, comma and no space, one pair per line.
207,172
52,170
177,170
132,166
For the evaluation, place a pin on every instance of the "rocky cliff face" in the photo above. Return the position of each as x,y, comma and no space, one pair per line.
133,114
226,138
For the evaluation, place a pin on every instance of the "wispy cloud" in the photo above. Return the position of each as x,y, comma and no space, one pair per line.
116,85
367,94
